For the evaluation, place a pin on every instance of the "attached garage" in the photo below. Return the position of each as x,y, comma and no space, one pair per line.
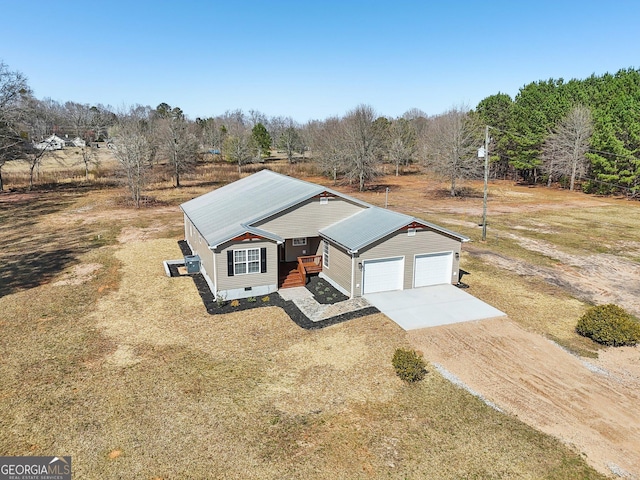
433,269
382,274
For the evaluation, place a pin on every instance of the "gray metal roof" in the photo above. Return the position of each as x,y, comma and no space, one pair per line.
367,226
231,210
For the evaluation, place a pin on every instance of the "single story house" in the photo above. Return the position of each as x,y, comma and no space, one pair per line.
269,231
52,142
74,142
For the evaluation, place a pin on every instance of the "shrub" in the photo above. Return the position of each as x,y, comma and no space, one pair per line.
265,299
409,366
221,300
609,325
235,303
251,299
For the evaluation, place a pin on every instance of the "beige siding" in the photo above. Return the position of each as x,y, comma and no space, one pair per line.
199,247
225,282
400,244
340,266
293,252
305,219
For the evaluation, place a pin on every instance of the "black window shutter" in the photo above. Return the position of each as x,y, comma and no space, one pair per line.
230,263
263,260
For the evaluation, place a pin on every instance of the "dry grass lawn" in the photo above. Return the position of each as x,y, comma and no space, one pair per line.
106,359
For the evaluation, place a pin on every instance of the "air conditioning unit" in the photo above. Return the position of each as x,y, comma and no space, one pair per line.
192,263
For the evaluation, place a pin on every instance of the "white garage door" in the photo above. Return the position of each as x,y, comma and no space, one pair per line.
433,269
382,274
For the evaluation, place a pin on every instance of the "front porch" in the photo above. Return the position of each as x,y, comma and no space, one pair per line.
294,274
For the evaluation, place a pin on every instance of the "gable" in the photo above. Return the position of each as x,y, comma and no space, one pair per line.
309,216
373,224
232,209
277,207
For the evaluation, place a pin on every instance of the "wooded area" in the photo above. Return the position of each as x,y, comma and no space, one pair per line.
581,133
543,117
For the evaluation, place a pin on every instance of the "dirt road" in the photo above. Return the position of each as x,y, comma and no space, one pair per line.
590,405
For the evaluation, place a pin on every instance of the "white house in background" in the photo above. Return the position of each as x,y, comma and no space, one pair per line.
268,231
52,142
74,142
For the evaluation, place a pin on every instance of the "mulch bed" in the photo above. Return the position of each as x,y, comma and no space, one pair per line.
272,300
324,292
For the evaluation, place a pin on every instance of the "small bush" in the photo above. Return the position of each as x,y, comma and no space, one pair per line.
409,366
265,299
609,325
251,299
221,300
235,303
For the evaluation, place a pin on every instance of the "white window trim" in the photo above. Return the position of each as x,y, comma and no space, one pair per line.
299,242
325,254
324,200
246,262
411,232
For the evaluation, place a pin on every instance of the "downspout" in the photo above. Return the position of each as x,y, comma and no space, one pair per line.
215,273
353,276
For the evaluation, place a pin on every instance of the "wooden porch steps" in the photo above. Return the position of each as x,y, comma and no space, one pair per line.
291,278
294,274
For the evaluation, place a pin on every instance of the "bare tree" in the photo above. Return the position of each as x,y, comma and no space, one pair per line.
239,149
361,144
290,140
327,145
177,143
39,120
132,148
13,91
563,152
402,148
235,121
212,133
451,143
81,120
256,117
102,118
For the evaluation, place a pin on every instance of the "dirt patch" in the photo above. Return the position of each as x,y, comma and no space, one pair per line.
134,234
79,274
124,356
589,406
596,278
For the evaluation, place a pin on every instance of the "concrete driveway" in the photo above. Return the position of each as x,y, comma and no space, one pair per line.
431,306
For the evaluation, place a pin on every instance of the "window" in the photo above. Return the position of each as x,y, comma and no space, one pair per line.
246,261
325,254
298,242
411,232
324,200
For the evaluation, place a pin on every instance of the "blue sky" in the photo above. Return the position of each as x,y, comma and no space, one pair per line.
311,60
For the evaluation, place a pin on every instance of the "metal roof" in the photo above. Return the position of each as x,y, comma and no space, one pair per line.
230,211
367,226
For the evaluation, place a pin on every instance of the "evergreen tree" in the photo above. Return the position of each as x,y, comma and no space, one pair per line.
261,139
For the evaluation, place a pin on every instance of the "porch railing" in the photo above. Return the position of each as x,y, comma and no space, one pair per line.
309,264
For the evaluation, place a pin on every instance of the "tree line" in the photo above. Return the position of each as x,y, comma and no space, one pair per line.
553,130
581,132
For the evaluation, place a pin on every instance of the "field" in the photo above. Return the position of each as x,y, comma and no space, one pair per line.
106,359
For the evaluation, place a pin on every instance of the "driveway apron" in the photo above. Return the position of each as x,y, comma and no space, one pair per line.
431,306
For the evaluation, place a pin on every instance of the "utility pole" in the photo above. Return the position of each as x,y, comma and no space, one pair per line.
486,183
